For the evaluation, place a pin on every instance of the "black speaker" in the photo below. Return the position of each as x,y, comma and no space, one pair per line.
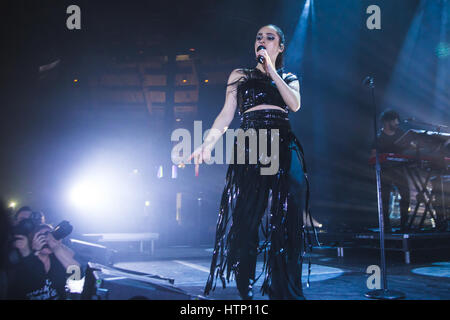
109,283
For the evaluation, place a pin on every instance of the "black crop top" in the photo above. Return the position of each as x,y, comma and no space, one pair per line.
256,88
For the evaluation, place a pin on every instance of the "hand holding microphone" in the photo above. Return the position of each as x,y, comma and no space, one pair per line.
260,59
266,61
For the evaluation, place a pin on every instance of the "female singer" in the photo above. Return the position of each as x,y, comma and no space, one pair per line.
263,95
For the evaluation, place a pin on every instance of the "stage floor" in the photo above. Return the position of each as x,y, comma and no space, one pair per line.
332,277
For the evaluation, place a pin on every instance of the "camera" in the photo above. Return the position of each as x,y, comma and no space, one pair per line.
26,226
62,230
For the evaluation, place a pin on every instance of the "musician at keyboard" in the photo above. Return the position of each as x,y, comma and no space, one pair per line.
392,175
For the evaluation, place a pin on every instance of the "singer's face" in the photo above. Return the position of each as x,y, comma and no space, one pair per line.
268,37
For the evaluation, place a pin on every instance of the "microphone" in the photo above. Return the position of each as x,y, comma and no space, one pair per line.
260,59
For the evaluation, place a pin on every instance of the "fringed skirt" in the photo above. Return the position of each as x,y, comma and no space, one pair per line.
261,212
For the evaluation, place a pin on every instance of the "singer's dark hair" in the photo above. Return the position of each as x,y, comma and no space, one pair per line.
279,63
389,115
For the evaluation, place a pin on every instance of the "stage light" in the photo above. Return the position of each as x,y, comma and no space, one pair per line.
178,208
160,172
147,203
296,47
12,205
75,80
182,57
97,191
174,172
88,194
184,80
428,52
206,80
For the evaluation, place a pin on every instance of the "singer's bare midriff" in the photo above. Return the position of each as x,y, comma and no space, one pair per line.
265,106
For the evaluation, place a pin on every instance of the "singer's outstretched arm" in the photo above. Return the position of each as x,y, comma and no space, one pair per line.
221,123
226,115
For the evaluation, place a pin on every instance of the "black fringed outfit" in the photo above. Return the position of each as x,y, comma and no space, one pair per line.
272,205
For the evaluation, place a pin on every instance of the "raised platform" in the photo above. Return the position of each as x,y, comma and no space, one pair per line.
404,242
126,237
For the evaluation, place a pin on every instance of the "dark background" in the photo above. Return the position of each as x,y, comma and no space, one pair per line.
49,130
